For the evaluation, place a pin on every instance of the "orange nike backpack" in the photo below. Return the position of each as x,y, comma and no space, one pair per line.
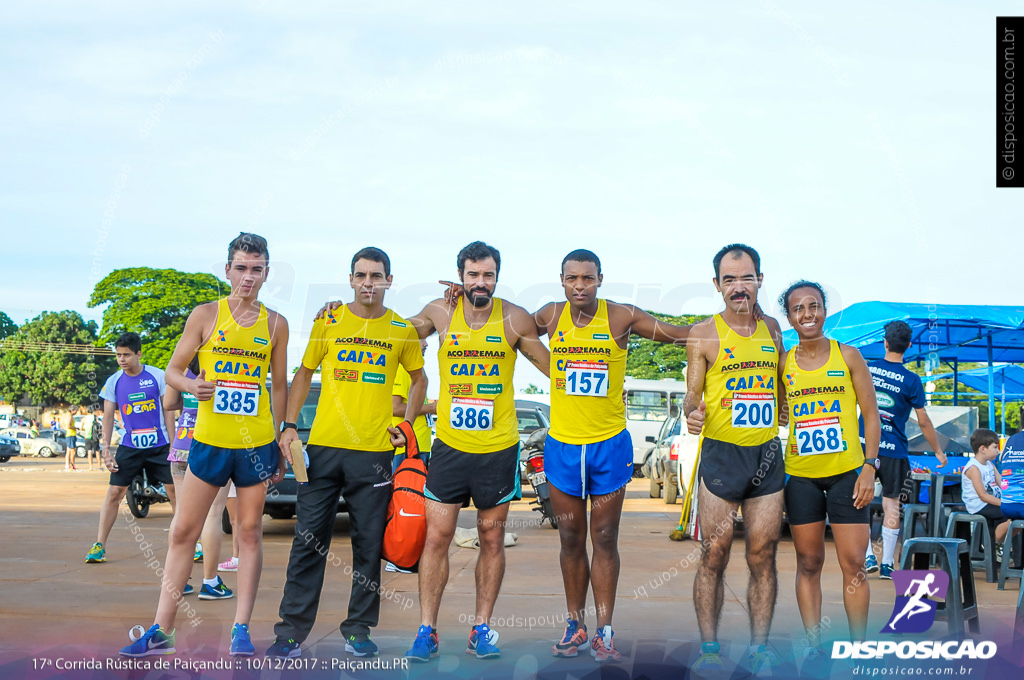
406,528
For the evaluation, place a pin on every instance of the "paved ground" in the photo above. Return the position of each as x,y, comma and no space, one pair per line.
54,606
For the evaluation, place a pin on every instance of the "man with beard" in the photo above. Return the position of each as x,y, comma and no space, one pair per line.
734,363
476,451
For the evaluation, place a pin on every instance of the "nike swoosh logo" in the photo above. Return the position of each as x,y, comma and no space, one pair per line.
403,513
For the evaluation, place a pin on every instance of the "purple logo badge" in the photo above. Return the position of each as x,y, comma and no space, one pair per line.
914,610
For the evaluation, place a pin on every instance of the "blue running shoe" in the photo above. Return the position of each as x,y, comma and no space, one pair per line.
217,592
284,649
871,564
573,640
96,554
360,645
483,642
761,661
150,643
241,645
710,662
886,572
188,589
424,646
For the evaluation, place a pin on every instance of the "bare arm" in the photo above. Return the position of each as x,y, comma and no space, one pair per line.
169,423
864,388
776,331
201,318
417,394
279,369
972,473
398,408
646,326
697,350
545,317
296,398
431,319
173,401
928,430
109,409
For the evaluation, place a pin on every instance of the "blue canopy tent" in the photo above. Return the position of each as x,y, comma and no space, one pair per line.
1008,381
950,333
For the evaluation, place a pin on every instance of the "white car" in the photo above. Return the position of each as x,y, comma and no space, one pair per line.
32,445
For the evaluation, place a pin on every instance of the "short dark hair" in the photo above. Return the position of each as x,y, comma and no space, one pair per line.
373,255
250,243
476,251
130,340
582,255
802,283
898,335
737,249
983,437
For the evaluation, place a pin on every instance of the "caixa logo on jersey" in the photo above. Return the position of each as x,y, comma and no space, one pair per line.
914,612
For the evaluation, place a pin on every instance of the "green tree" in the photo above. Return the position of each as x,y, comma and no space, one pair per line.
153,303
7,327
57,369
532,389
651,360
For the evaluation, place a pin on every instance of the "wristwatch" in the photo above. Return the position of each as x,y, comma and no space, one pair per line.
286,425
873,462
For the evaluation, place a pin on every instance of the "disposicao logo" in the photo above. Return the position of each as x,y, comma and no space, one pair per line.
914,612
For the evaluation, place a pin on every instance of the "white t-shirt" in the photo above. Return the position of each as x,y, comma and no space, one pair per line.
970,496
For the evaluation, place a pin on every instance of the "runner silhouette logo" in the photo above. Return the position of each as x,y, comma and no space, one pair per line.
914,609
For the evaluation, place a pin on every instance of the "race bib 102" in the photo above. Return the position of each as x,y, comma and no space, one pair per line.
586,379
818,436
753,409
471,414
145,439
236,398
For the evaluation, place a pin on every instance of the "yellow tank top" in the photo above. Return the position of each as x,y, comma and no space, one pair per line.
823,430
476,410
238,360
588,369
740,387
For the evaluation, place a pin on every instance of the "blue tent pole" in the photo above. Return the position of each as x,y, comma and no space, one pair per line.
1002,408
991,388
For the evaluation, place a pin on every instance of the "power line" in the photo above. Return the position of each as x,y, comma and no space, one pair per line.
55,347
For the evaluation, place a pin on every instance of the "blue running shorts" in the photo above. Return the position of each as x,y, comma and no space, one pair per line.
589,469
246,467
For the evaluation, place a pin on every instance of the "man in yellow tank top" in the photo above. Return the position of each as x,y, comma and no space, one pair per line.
588,451
359,349
733,361
475,454
237,340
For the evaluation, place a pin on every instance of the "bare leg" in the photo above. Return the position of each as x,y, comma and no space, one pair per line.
716,518
213,534
572,558
851,542
197,496
605,512
250,546
441,520
231,504
108,512
171,496
762,519
809,541
490,567
1001,532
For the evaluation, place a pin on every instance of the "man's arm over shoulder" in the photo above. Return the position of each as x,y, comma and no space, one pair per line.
626,319
546,317
433,318
701,346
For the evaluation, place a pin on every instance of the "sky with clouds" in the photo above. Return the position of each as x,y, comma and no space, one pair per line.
850,143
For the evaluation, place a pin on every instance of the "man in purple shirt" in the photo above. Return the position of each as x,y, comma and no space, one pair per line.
136,391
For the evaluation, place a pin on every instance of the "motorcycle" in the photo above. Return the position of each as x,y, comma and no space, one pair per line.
534,451
142,494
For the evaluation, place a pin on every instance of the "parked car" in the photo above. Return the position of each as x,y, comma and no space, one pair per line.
662,464
531,417
649,403
43,446
9,447
281,496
